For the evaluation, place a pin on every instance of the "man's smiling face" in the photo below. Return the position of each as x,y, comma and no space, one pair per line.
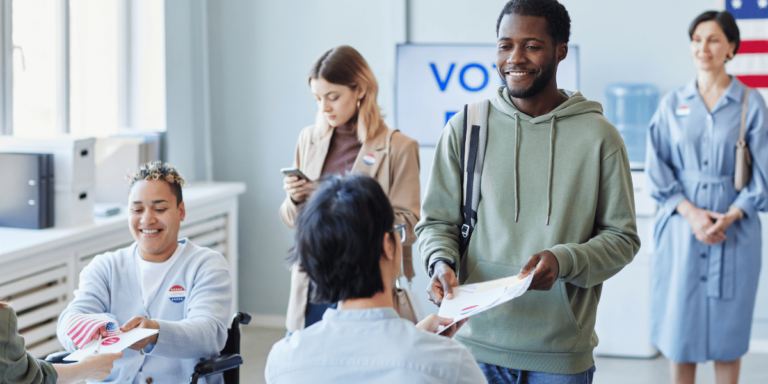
525,55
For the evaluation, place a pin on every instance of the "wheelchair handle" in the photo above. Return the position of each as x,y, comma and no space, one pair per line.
240,318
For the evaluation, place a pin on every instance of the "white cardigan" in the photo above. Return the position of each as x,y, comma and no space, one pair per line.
193,325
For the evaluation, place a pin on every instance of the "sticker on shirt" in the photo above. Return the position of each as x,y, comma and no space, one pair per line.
177,294
369,159
683,111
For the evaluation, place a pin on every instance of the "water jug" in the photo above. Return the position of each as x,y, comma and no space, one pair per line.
630,107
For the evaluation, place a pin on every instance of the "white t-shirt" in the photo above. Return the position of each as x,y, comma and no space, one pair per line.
151,275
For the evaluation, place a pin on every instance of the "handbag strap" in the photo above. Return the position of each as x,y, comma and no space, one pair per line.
399,285
741,142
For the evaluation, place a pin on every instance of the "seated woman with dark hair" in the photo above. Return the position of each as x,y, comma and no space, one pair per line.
346,243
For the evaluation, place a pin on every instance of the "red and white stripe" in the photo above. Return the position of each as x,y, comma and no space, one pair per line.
81,327
750,65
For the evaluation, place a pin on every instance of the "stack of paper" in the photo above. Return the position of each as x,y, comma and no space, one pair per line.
469,300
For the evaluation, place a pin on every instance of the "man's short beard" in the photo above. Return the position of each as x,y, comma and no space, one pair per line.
539,82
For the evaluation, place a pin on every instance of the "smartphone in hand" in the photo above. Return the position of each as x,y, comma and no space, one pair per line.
294,172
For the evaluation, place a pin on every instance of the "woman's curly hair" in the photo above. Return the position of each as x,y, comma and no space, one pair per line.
157,170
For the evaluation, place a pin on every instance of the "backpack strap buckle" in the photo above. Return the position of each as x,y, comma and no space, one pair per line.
465,230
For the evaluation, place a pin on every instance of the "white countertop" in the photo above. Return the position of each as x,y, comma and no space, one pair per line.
16,243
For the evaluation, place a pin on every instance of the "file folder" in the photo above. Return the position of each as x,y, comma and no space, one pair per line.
27,192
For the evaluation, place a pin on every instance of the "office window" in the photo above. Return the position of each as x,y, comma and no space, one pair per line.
146,66
94,72
85,67
35,63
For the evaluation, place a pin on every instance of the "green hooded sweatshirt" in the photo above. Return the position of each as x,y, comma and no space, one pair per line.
559,182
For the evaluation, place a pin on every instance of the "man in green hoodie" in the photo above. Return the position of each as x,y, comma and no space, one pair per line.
556,195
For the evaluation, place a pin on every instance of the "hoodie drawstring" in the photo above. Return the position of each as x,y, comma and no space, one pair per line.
549,171
517,150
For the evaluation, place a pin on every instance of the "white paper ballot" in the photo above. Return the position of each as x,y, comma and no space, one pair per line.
112,344
469,300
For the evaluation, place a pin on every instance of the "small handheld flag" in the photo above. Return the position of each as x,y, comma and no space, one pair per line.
81,327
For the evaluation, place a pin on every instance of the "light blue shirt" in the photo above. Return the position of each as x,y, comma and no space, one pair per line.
369,346
703,297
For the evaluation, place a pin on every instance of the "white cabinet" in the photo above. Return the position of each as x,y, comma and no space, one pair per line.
39,269
623,315
39,288
760,324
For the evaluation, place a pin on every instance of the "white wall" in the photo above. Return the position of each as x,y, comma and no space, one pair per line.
185,85
260,52
627,41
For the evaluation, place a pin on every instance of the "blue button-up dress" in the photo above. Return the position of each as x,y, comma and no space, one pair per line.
703,297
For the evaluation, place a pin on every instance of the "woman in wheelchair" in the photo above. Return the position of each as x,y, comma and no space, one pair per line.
347,244
17,366
159,282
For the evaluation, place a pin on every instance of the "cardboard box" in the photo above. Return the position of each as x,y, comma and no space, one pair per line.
73,158
73,203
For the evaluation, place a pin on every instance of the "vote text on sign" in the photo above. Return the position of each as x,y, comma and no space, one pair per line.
434,81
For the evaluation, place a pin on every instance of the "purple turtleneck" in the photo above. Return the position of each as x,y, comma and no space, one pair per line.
343,150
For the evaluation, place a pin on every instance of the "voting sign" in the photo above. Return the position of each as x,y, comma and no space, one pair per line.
434,81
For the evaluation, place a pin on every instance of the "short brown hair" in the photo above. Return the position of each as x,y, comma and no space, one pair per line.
157,170
344,65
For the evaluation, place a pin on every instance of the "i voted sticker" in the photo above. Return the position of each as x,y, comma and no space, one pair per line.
177,294
110,341
369,159
683,111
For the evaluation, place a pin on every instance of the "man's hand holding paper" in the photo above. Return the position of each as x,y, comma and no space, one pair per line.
476,298
444,277
442,283
547,270
468,300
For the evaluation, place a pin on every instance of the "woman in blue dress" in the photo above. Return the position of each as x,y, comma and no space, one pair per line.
707,252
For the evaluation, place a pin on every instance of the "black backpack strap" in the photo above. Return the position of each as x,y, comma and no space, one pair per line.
463,146
474,139
467,188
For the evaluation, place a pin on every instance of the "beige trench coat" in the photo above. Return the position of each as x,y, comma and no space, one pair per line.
396,168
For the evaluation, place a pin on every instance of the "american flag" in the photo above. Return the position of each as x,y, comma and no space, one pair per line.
81,327
750,65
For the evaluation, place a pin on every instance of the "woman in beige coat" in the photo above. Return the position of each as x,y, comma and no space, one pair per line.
17,366
349,135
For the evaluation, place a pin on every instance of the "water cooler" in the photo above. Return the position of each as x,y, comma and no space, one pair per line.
623,315
630,108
